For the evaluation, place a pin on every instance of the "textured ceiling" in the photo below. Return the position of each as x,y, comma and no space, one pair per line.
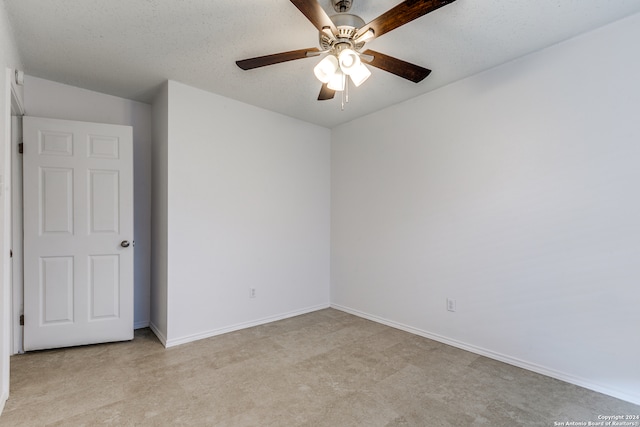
128,48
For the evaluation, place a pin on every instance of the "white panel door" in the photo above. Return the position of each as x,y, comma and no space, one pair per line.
78,233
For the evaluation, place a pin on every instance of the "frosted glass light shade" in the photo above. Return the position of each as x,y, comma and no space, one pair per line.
326,68
349,61
360,75
337,81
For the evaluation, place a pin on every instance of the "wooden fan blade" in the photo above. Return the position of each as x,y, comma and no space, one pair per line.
400,68
276,58
326,93
316,14
403,13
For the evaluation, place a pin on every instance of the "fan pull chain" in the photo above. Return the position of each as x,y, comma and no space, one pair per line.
346,87
345,92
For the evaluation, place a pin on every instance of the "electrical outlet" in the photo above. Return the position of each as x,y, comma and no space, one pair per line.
451,304
252,292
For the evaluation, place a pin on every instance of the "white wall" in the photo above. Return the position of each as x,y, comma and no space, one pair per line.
8,59
516,193
248,207
44,98
159,219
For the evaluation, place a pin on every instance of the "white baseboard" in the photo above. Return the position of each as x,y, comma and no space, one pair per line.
582,382
141,324
3,400
158,334
195,337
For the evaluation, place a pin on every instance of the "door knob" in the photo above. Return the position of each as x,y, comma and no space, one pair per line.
124,244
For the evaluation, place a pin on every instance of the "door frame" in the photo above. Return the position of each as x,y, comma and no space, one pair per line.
14,239
13,107
17,236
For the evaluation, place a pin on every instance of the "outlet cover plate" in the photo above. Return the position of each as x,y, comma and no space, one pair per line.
451,304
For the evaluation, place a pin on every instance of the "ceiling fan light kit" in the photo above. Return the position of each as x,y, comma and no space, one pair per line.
349,61
342,37
326,68
360,75
337,82
346,63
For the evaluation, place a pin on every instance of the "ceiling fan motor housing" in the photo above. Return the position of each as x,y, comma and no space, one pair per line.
347,25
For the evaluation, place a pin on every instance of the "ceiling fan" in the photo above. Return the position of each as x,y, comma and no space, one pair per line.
342,38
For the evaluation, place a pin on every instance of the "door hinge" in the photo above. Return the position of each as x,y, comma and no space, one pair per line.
10,253
21,148
22,320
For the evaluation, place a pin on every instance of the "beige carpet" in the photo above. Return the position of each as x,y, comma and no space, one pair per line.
326,368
